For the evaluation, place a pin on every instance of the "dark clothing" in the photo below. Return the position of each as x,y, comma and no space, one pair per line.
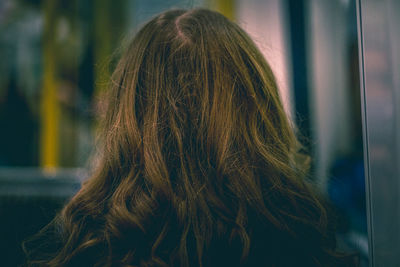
269,246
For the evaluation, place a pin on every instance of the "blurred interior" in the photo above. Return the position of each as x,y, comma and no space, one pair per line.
56,60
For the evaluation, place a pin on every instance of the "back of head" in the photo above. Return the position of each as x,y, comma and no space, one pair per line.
198,160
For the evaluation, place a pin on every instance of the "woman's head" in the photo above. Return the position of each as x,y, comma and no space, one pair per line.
195,147
192,85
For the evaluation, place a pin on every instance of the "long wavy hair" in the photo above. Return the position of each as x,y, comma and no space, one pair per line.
198,164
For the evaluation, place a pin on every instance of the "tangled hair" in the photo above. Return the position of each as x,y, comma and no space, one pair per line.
198,165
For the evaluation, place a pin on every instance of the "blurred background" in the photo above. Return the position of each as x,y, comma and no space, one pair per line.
56,58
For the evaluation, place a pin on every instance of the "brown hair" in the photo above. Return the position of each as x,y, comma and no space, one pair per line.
196,147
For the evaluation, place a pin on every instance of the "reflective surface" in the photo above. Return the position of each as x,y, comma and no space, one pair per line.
380,32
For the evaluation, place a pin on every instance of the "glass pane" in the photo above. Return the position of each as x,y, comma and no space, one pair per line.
379,22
